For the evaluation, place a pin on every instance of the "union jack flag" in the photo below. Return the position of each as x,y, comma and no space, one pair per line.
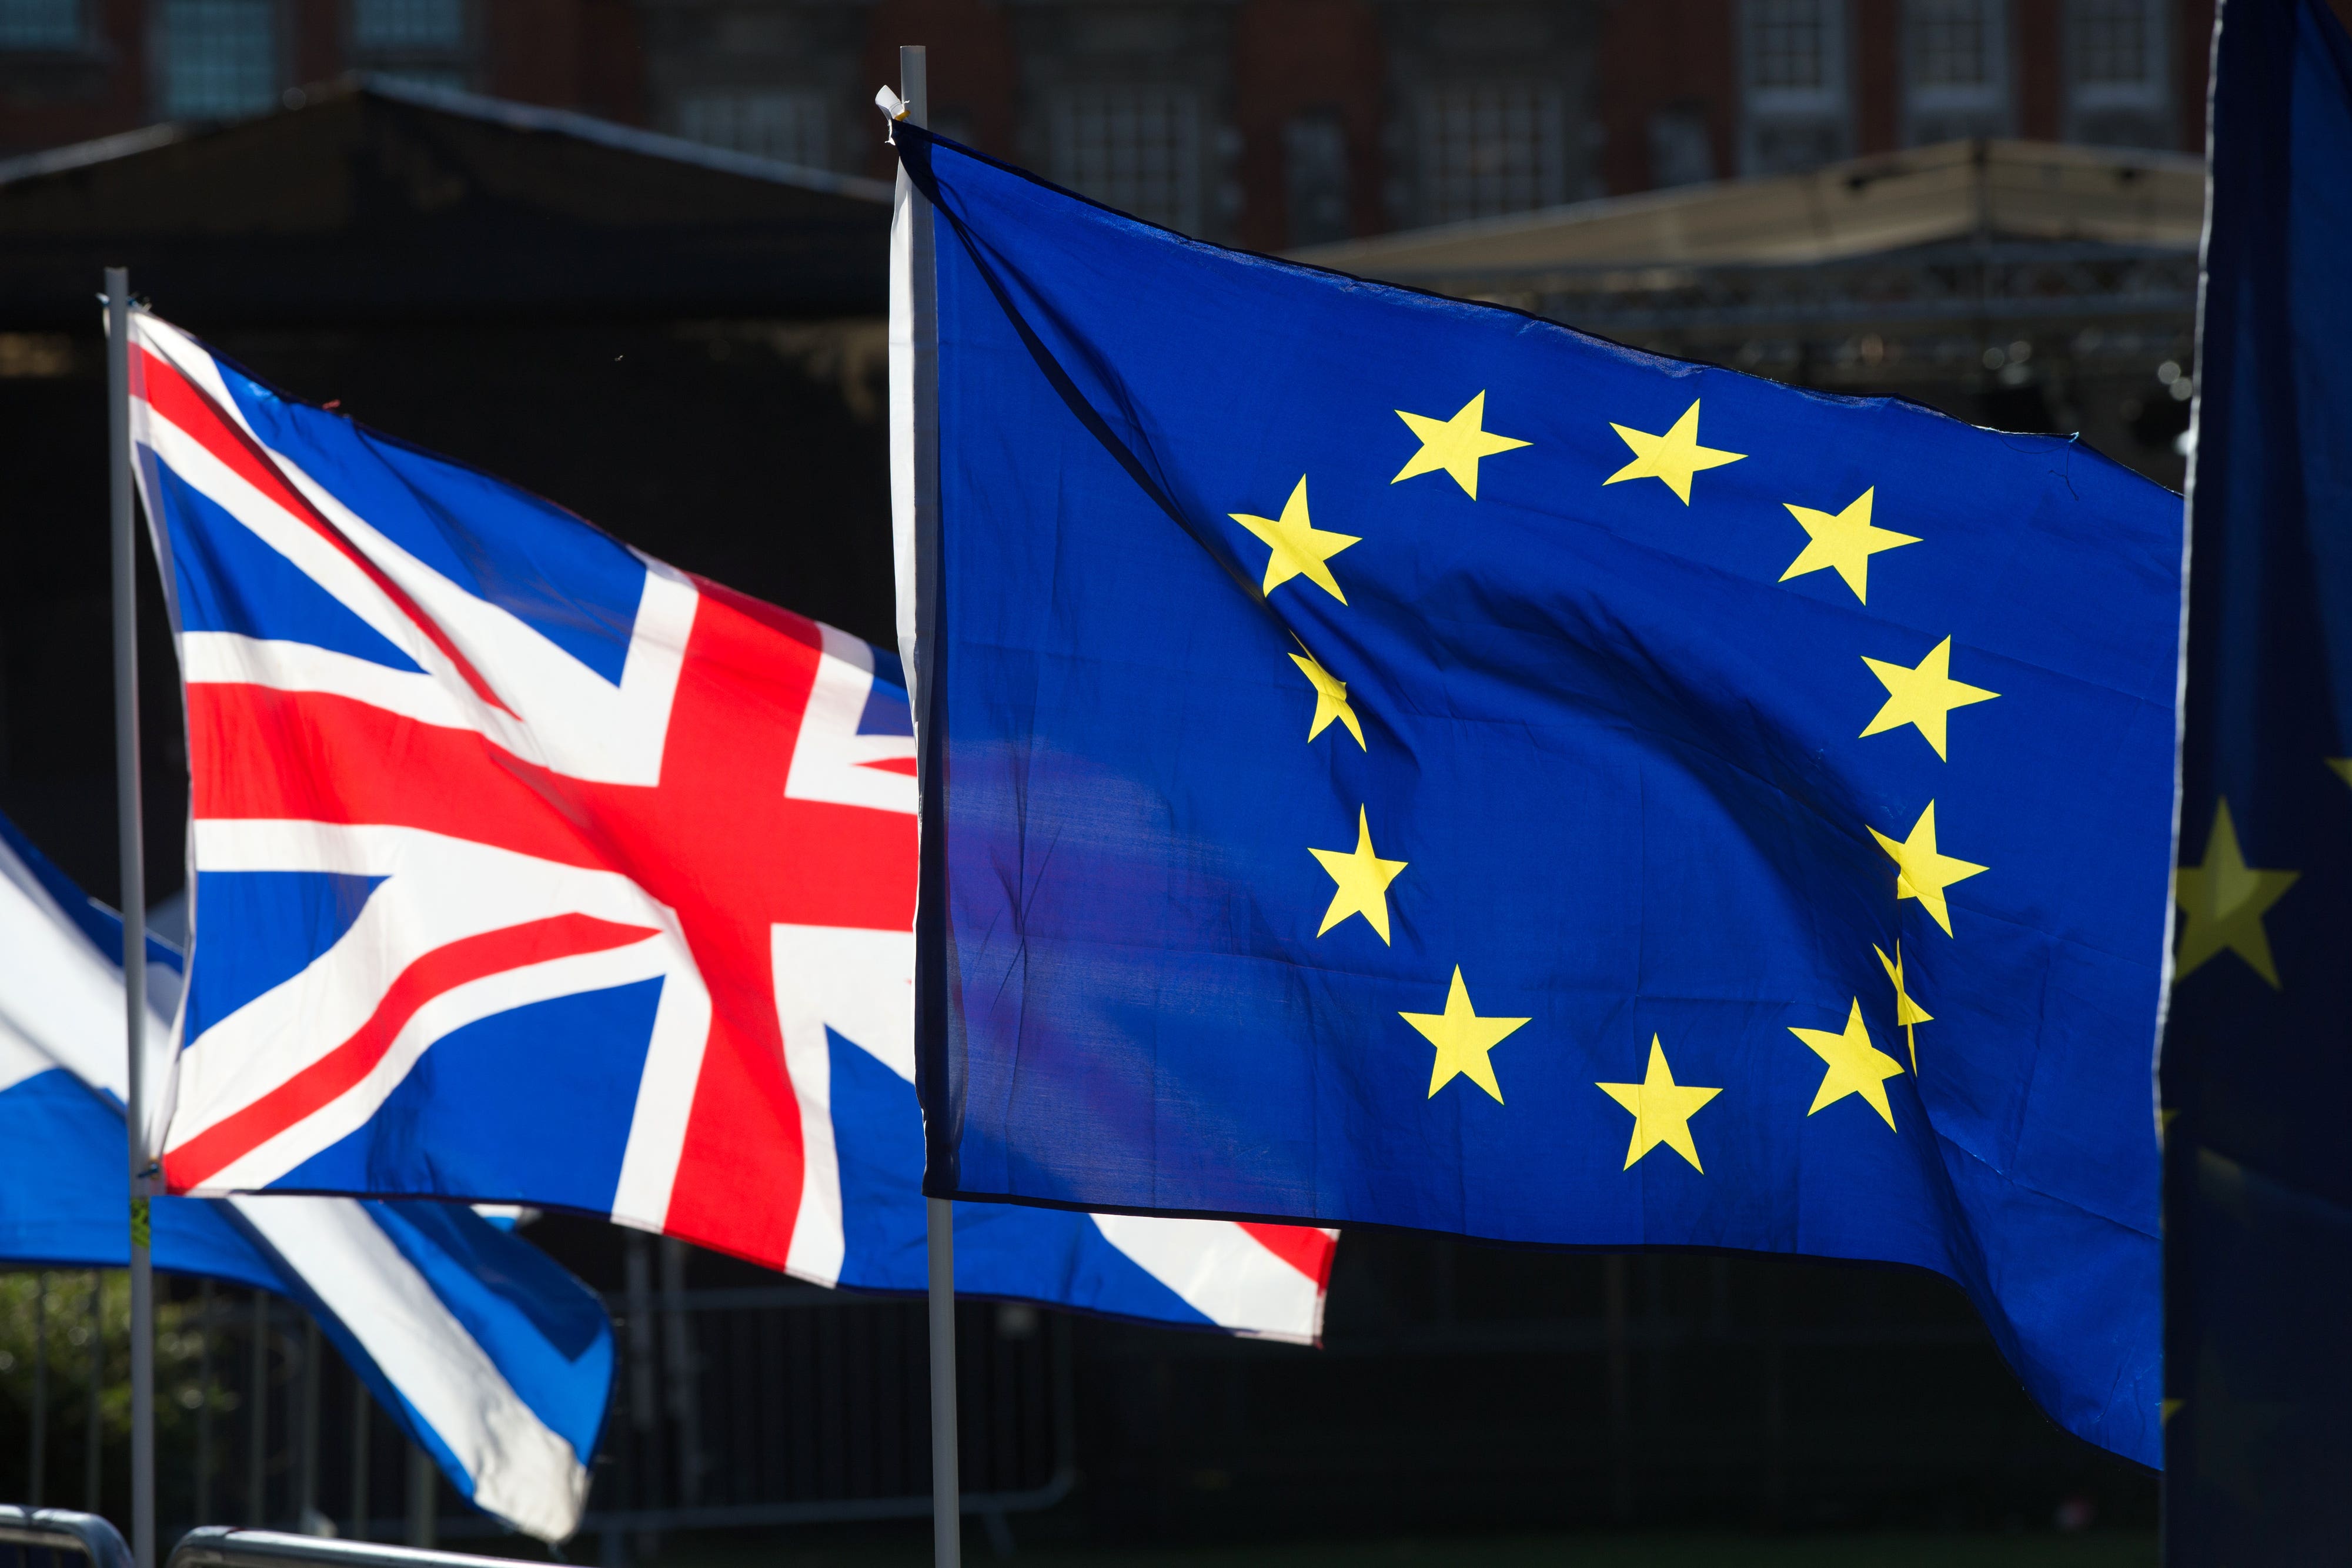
526,868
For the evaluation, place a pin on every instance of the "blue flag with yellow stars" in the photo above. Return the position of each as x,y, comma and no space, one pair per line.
2258,1048
1400,762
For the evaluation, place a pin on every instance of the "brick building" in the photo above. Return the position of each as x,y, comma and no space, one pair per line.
1265,122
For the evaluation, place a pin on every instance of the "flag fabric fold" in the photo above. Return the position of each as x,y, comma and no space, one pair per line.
2258,1202
486,1353
527,869
1398,760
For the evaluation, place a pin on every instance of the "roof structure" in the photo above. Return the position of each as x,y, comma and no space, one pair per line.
377,201
1953,192
1919,268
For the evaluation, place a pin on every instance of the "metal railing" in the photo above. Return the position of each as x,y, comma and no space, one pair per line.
791,1405
63,1529
776,1404
223,1546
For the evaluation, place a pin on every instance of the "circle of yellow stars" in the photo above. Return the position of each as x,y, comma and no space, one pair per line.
2223,899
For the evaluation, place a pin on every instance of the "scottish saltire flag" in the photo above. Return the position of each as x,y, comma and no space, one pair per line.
1400,760
2258,1048
527,869
491,1357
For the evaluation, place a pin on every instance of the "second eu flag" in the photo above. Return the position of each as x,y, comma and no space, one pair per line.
1401,761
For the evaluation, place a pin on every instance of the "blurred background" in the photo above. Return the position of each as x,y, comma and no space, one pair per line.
629,254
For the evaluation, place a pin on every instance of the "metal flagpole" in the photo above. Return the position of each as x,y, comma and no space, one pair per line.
132,847
915,413
40,1455
424,1500
257,1424
362,1409
947,1493
204,1337
93,1447
308,1519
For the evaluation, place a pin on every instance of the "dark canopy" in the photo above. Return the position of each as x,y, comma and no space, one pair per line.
371,201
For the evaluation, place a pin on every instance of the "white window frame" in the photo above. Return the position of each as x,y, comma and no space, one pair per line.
448,63
383,47
2151,93
1828,106
1084,156
162,56
1992,97
1545,104
1828,102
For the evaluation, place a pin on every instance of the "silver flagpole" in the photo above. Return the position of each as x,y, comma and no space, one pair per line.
947,1492
132,845
916,410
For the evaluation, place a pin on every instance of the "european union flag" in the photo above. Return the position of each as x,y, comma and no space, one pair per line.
1396,760
2257,1062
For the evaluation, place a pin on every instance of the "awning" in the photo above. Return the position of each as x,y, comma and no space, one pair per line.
1954,190
378,201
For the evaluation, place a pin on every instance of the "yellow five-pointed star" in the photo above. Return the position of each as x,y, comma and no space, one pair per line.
1662,1110
1855,1066
1670,458
1299,548
1921,871
1462,1040
2222,903
1922,695
1907,1013
1331,699
1454,445
1845,541
1363,880
2343,766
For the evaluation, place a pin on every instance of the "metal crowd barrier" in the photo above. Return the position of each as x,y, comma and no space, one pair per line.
63,1529
772,1405
226,1546
790,1405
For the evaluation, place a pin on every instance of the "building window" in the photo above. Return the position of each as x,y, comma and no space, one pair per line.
1952,45
1794,100
41,25
1492,148
1681,147
2116,93
449,79
1134,148
767,122
419,41
1315,174
1793,47
2116,45
1956,69
220,58
394,26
